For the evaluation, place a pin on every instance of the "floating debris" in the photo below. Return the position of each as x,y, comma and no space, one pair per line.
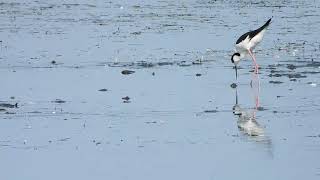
126,72
198,74
53,62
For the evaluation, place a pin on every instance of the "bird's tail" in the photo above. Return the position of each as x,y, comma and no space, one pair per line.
266,24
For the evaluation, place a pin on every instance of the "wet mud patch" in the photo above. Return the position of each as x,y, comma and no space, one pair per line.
146,64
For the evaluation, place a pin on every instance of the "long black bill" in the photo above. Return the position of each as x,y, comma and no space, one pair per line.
236,96
236,69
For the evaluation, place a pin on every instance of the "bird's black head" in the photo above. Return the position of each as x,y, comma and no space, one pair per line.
235,57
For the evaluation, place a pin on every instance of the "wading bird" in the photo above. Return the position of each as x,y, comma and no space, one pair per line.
246,43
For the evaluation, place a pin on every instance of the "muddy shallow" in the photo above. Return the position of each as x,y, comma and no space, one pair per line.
141,90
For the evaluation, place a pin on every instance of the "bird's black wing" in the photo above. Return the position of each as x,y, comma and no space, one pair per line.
251,34
243,37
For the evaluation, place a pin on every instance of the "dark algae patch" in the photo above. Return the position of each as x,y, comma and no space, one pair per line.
103,90
275,82
59,101
8,105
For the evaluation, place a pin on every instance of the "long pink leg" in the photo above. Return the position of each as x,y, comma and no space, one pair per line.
256,66
256,91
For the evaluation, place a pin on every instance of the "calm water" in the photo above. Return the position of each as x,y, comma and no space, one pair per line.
57,58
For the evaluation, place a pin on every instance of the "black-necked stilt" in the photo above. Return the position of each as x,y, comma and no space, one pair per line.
246,43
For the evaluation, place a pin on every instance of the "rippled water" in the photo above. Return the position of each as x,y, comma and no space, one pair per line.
62,63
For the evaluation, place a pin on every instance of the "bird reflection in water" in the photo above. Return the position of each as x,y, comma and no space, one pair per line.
247,121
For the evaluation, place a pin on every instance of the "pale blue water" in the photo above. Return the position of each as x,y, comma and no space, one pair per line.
177,125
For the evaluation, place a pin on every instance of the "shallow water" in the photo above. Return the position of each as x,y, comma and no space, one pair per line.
178,120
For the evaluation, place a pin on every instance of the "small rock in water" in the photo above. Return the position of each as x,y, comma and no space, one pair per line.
153,73
127,98
233,85
198,74
103,90
53,62
126,72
